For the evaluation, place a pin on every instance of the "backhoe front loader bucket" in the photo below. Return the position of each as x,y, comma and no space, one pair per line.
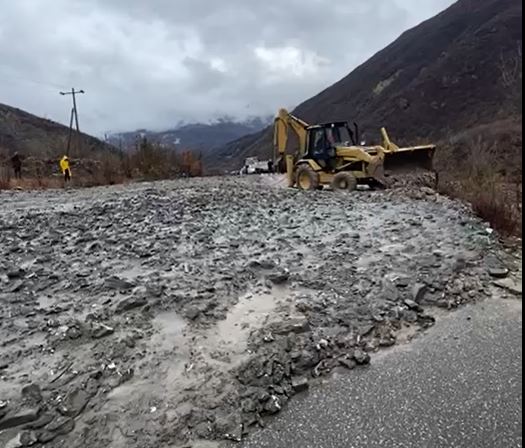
410,164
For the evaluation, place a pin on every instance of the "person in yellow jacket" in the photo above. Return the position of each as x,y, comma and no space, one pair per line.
65,168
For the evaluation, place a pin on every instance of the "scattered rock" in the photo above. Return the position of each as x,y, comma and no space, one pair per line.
402,282
510,285
323,344
347,362
426,320
202,430
16,286
235,434
297,325
361,357
498,272
98,330
409,316
130,303
460,264
118,284
300,384
3,408
230,427
192,312
19,418
419,291
428,191
303,307
74,332
412,305
42,421
33,393
278,278
74,403
268,338
28,438
273,405
16,273
59,427
263,265
365,330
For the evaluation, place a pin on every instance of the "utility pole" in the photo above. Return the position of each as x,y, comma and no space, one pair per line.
74,116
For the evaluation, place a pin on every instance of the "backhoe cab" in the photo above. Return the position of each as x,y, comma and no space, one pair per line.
324,139
330,154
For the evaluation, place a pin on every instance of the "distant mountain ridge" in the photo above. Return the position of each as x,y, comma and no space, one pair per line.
203,137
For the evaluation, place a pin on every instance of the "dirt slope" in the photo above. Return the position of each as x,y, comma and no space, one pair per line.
436,80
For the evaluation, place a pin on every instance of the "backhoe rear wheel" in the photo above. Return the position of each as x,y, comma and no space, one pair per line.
306,178
344,181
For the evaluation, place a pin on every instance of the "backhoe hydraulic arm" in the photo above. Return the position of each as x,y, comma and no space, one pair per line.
283,122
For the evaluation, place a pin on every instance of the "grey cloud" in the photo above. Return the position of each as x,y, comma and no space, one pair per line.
151,64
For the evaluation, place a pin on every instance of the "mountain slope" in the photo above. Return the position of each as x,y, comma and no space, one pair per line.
34,136
197,136
437,80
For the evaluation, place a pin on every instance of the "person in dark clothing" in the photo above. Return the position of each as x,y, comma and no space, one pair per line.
16,163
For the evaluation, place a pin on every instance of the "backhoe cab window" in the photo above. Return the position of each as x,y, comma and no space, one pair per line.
324,138
337,135
318,141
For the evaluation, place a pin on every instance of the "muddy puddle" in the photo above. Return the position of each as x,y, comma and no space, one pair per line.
193,354
252,312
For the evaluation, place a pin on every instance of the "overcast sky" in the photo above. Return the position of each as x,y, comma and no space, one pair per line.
152,63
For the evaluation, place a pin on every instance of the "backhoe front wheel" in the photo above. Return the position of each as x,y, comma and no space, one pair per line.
344,181
306,178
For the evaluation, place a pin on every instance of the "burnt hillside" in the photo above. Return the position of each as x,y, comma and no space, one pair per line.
435,81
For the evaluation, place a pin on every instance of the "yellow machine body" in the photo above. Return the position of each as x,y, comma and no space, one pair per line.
322,158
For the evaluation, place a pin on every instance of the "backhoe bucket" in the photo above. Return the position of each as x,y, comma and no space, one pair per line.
411,165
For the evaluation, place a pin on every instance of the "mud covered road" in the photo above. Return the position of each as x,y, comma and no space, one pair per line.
158,315
458,385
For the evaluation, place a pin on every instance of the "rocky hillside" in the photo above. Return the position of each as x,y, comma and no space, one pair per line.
34,136
452,73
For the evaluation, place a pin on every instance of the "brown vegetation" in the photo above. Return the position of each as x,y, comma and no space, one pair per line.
484,164
147,162
495,194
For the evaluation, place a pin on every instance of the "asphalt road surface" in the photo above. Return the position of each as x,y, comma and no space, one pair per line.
459,385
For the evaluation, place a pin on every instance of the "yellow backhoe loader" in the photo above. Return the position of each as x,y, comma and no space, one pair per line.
331,154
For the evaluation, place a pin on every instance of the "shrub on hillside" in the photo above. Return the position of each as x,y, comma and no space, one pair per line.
494,195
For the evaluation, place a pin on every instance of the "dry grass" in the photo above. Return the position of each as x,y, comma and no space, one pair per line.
147,162
5,178
494,195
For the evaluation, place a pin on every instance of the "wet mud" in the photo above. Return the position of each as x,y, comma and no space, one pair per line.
185,313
